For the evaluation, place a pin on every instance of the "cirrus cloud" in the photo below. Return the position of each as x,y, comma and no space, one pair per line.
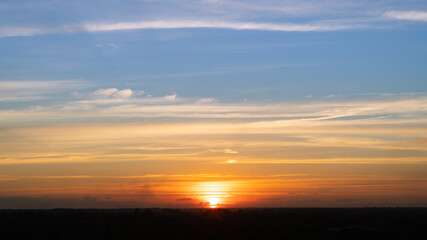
418,16
112,92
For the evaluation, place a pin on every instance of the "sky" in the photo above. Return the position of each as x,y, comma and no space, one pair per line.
194,104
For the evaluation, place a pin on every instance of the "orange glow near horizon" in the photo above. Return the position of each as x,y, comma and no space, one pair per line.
143,165
214,194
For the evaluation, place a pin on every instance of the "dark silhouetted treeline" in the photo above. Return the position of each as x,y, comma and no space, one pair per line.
280,223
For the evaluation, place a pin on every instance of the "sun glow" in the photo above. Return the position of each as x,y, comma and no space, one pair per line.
214,194
213,202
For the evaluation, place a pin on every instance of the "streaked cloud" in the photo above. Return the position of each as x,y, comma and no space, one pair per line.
43,85
127,103
286,27
234,190
418,16
230,151
285,16
104,92
227,150
371,129
112,92
180,24
25,90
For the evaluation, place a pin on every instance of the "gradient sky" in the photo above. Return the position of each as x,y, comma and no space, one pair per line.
162,103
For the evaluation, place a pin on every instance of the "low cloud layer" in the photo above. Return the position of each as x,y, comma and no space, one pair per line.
125,103
55,202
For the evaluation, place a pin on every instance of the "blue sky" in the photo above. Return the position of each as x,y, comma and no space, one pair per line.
228,50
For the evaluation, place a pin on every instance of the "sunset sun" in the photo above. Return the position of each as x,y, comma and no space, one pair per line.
214,194
214,202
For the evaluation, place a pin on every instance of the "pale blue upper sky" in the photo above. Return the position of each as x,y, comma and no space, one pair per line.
230,51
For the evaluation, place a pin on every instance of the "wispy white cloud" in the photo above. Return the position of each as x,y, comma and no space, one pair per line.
112,92
226,150
126,93
285,27
104,92
419,16
117,103
206,100
269,15
21,31
31,31
113,45
122,101
20,85
230,151
20,98
25,90
179,24
282,7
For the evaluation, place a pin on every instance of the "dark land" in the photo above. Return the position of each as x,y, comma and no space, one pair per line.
252,223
